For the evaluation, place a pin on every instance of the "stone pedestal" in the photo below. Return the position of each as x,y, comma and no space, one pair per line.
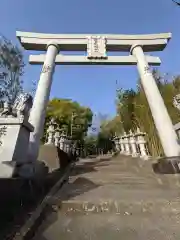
53,157
142,144
14,145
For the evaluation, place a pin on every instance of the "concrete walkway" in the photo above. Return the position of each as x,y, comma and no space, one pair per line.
114,198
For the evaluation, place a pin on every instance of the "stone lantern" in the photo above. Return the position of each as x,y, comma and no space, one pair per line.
50,132
122,145
68,145
133,143
126,142
56,138
74,148
116,141
142,144
62,140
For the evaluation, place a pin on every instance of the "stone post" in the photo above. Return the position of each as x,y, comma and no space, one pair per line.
142,144
126,142
73,148
51,132
68,146
56,138
116,141
78,152
62,141
122,145
38,111
133,144
50,138
159,112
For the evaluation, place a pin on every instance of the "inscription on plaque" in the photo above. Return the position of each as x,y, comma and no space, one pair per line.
96,48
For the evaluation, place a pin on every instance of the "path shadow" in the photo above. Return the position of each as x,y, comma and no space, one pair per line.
80,186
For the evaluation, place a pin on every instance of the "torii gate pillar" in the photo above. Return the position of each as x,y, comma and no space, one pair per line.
164,126
38,111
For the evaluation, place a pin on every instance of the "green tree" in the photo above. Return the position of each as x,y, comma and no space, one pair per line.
126,109
90,145
70,116
11,70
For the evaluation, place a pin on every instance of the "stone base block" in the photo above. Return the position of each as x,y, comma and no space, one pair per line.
167,165
25,170
7,169
53,157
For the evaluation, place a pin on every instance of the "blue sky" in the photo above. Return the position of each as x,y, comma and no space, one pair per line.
93,86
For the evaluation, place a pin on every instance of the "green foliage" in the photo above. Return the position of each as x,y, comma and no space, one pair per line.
70,116
90,145
11,70
126,108
96,144
109,128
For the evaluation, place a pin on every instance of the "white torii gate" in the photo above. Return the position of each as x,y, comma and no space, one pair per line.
97,47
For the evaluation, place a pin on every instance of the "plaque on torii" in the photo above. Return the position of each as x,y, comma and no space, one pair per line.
96,47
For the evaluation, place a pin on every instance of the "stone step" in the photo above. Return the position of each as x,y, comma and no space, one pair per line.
122,184
91,191
97,178
115,167
164,182
121,165
117,198
172,180
110,176
118,159
60,225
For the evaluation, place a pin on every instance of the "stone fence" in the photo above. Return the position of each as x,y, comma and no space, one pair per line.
60,139
133,144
